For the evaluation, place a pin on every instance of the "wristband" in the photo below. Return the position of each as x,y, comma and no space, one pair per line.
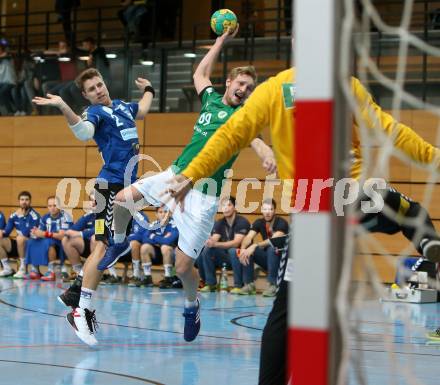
149,89
47,234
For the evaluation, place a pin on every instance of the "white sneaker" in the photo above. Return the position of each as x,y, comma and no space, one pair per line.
6,273
84,323
20,274
431,250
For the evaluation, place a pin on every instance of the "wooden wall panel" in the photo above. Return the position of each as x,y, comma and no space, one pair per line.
385,267
41,188
6,196
427,125
49,161
7,131
47,131
6,161
172,129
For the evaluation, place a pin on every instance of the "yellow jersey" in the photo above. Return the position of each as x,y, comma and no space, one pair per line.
273,104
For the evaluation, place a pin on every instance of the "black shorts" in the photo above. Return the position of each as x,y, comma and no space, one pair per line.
86,252
158,258
105,198
14,250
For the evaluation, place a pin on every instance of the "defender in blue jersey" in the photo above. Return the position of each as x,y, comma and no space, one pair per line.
22,220
111,123
46,245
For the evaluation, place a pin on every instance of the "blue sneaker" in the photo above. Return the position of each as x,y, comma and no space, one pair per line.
113,253
192,322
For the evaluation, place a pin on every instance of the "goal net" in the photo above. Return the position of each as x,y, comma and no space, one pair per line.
386,295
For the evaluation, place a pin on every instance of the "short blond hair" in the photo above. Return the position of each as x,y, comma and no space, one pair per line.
87,74
246,70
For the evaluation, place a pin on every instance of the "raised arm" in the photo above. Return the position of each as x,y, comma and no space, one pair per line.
144,86
203,72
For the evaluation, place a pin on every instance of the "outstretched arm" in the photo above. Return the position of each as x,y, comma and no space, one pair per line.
203,72
83,130
58,102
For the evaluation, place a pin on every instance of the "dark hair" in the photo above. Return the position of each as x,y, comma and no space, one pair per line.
270,201
51,197
25,194
230,199
89,39
87,74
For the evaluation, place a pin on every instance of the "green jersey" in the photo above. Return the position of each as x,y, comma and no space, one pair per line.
214,114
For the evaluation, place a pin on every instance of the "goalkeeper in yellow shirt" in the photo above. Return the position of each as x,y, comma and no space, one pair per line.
272,104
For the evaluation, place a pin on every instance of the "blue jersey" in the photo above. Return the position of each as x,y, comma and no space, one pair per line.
117,138
63,221
86,224
2,221
139,226
23,224
166,235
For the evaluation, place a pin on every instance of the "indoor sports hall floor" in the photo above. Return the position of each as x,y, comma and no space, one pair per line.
141,340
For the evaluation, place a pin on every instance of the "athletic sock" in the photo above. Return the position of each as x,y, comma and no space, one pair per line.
168,270
189,304
6,265
51,267
85,300
147,268
113,272
136,268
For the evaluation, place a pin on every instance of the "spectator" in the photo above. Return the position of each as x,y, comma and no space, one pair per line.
166,12
159,244
24,92
2,221
97,57
263,253
64,9
23,220
79,240
221,247
48,71
46,245
138,230
7,79
132,14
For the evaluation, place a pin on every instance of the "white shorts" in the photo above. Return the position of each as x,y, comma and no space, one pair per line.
195,223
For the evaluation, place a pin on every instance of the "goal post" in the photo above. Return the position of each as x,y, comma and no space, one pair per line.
320,145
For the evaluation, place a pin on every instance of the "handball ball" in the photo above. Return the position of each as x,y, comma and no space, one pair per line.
223,19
